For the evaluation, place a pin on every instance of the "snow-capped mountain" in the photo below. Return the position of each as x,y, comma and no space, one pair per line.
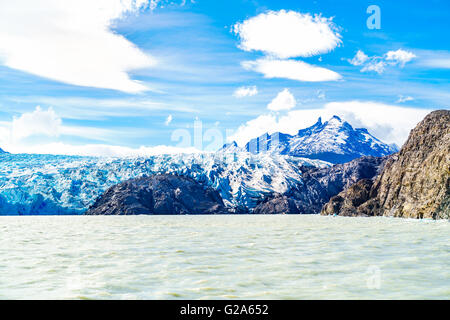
334,141
231,148
46,184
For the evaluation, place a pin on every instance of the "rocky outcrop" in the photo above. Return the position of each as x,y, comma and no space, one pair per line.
319,185
163,194
415,183
346,201
277,204
172,194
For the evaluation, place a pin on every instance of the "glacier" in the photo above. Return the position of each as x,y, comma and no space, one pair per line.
32,184
50,184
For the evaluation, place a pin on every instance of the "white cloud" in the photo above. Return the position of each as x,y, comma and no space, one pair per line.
291,69
400,57
99,150
436,59
374,65
321,94
283,101
41,122
46,123
359,58
249,91
254,128
378,64
437,63
402,99
286,34
71,41
168,120
38,122
281,35
99,108
389,123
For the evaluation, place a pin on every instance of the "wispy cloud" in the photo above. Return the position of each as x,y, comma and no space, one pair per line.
168,120
378,64
100,150
443,63
399,57
402,99
434,59
359,59
98,108
72,42
291,69
249,91
375,65
43,123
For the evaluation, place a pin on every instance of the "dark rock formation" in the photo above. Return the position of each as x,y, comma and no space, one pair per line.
319,185
346,201
415,183
158,195
277,204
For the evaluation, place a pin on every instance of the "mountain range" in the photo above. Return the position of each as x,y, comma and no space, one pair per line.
334,141
413,183
299,166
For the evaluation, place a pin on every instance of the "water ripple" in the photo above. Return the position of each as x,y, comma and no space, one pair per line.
223,257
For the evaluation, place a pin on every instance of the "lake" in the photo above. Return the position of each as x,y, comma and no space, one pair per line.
222,257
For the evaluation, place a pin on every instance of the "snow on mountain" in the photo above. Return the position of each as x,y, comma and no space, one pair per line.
47,184
231,148
334,141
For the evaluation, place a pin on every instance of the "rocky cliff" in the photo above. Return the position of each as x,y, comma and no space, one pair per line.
319,185
415,183
163,194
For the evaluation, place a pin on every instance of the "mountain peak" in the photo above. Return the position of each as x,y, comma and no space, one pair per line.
231,147
335,141
335,120
336,117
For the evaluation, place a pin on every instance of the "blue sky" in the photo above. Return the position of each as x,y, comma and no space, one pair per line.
116,77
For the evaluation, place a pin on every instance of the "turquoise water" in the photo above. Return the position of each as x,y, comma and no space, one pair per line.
219,257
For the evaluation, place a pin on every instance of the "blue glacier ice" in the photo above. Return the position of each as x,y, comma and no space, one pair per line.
51,184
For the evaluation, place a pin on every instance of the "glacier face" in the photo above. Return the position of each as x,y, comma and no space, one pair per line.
49,184
334,141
